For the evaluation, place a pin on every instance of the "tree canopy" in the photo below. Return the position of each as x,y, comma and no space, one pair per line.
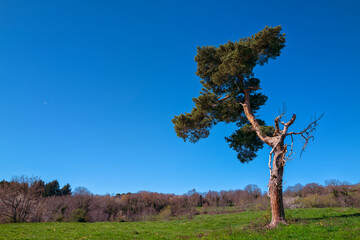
226,73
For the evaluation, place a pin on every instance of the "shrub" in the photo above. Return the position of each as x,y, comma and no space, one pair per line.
165,213
317,201
79,215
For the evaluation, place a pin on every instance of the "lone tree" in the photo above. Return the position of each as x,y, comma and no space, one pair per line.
230,94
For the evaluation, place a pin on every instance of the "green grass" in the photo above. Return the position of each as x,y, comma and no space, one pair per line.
326,223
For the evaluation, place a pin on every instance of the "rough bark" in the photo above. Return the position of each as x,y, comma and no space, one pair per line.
277,155
275,187
278,161
250,116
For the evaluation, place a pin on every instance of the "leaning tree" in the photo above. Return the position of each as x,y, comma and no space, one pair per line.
230,94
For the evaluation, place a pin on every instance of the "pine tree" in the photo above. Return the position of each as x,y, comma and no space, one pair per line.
230,94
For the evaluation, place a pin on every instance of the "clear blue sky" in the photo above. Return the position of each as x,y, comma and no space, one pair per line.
88,90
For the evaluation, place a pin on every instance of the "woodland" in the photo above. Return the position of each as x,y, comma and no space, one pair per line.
26,199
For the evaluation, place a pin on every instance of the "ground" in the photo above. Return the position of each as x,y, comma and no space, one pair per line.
325,223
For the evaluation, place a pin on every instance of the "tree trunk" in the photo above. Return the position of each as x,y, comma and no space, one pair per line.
275,187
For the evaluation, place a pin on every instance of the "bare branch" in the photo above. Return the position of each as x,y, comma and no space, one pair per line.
220,100
224,98
277,127
307,133
282,113
288,124
239,90
269,164
291,150
254,88
310,127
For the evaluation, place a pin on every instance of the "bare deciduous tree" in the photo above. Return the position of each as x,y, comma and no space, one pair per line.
19,198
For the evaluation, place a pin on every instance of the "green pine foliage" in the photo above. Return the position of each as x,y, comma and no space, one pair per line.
53,189
221,70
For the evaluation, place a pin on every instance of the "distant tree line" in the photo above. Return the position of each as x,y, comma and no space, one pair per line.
313,195
26,199
22,195
53,189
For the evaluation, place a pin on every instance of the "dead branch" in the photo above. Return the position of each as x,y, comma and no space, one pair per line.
254,88
220,100
282,114
277,127
224,98
291,150
289,123
269,164
307,133
239,91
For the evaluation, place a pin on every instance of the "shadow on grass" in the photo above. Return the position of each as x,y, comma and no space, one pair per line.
294,220
262,223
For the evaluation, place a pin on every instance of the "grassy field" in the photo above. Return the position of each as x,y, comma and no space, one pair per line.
326,223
